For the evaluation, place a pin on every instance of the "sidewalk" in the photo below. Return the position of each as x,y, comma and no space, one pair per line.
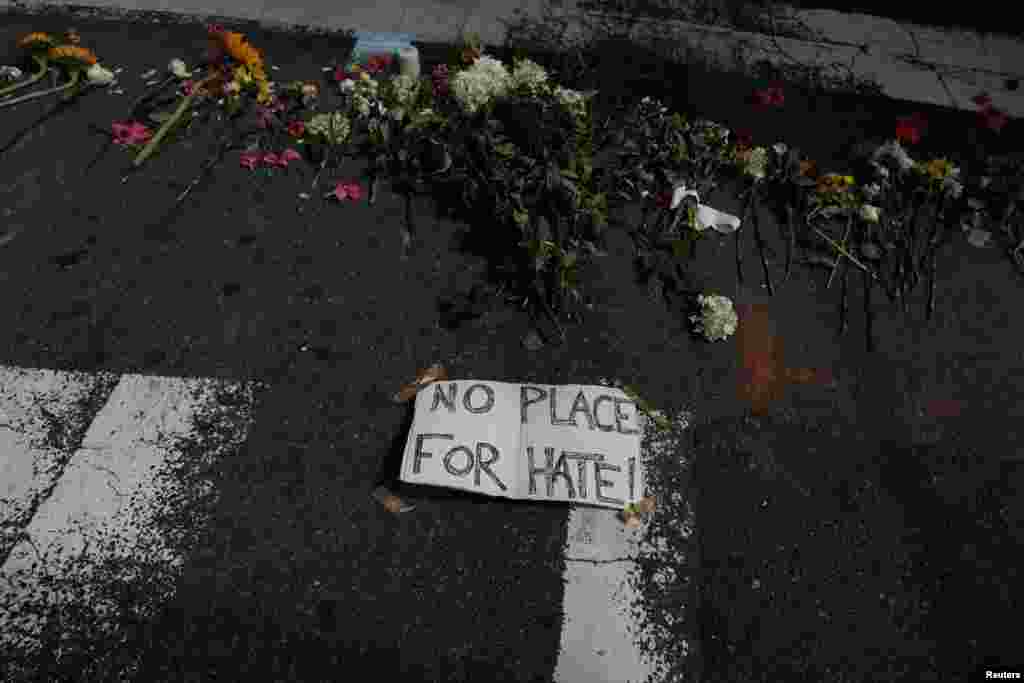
909,62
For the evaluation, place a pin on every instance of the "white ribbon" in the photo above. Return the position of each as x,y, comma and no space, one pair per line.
719,221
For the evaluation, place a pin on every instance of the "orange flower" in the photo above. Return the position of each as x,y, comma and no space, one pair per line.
236,47
73,53
36,40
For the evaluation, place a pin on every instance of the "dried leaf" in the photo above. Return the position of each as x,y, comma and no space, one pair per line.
391,502
434,373
645,505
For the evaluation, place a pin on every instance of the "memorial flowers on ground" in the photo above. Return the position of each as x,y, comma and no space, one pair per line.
717,319
79,66
235,74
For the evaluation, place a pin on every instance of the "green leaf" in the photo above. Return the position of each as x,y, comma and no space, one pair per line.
681,248
506,150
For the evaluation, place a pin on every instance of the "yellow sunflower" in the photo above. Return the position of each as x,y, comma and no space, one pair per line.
72,55
36,40
236,47
938,169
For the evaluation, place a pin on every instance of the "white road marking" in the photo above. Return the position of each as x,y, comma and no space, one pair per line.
601,630
72,508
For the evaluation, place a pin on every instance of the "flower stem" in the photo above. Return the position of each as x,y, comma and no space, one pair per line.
868,316
36,95
183,106
845,253
843,303
846,237
757,238
41,62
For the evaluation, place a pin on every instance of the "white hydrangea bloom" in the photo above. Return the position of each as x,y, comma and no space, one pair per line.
528,76
481,83
572,100
756,163
333,127
894,150
717,320
870,213
404,89
347,86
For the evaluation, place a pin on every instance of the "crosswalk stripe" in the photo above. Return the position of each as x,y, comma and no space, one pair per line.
79,499
605,638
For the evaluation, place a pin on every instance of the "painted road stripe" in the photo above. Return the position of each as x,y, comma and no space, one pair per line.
91,466
606,637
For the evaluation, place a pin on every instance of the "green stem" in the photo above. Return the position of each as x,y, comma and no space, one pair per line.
36,95
41,61
845,253
183,106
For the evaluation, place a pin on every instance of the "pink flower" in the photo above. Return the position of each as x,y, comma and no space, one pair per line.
910,128
770,97
440,80
271,159
288,156
993,119
982,100
347,191
265,116
296,128
130,133
744,138
250,159
188,87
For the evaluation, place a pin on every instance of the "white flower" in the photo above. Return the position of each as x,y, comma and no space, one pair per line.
178,68
528,76
572,100
869,213
880,170
756,162
12,73
361,105
347,85
404,88
478,85
333,127
780,148
718,319
98,75
894,150
872,191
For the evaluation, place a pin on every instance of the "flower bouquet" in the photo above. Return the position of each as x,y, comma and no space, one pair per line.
79,66
666,162
232,80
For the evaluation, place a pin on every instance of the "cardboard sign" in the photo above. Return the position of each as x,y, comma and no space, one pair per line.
571,443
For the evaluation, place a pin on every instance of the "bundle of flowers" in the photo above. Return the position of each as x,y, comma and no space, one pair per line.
79,66
233,80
